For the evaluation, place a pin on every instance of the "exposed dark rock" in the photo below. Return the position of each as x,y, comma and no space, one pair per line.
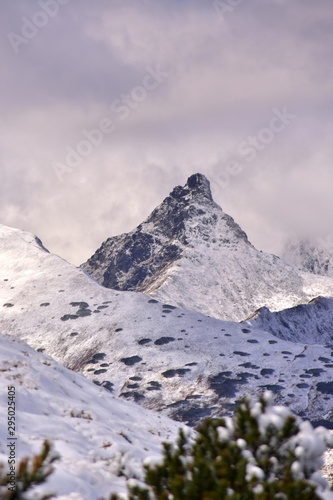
250,365
173,373
154,383
322,423
324,360
144,341
315,372
131,360
107,385
81,305
136,396
192,415
99,356
83,312
164,340
266,371
225,386
325,387
66,317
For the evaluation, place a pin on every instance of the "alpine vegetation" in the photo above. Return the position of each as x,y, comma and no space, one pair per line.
32,471
263,453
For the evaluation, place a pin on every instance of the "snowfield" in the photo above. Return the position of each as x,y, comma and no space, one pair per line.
101,441
182,363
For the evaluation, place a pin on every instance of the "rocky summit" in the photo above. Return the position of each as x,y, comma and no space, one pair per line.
133,261
193,255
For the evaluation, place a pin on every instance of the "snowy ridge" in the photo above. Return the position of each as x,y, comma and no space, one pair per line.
179,362
189,246
307,323
95,436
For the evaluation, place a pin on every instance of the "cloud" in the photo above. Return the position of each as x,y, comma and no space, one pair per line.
225,77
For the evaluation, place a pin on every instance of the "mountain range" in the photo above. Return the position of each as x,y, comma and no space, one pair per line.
180,362
182,316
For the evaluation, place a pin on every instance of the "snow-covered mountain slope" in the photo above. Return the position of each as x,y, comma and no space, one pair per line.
310,256
177,361
307,323
101,440
191,254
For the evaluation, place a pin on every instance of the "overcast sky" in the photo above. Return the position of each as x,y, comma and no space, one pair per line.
107,105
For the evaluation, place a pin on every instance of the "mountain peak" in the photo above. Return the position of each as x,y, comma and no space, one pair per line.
197,185
186,220
200,183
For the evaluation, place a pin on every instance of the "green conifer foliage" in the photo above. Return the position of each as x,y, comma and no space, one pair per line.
31,471
263,453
